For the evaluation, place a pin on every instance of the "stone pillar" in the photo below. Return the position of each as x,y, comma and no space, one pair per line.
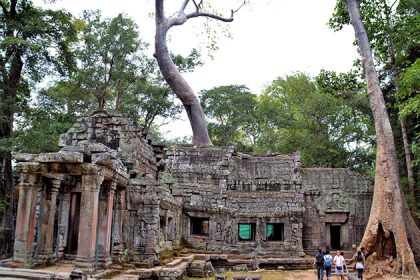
47,242
327,236
64,223
105,227
25,219
88,218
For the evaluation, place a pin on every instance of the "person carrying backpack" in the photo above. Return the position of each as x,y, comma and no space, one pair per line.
328,259
319,262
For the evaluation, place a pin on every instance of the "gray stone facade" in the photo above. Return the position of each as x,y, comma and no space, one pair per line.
112,192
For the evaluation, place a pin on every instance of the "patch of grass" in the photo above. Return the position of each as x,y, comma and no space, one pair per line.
265,274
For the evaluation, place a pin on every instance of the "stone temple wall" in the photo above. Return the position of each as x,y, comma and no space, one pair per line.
337,198
228,189
142,199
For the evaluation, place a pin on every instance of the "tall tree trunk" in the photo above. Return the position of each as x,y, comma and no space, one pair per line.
8,98
388,231
406,144
118,95
177,83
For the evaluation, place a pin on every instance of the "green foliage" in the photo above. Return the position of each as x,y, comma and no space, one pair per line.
146,101
393,28
112,72
324,118
109,56
43,37
232,115
187,63
34,43
409,104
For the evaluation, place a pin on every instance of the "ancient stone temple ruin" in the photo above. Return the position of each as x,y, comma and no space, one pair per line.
112,190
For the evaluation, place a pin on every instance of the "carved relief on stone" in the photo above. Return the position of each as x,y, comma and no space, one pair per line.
224,232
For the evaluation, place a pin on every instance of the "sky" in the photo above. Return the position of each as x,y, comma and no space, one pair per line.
268,39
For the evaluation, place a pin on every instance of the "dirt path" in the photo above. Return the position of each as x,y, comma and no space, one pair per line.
288,275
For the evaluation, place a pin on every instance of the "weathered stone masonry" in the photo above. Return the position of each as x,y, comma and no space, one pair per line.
111,190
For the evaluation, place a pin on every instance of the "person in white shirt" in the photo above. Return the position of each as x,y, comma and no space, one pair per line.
339,265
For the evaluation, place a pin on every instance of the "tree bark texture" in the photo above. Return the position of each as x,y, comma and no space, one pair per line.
390,226
177,83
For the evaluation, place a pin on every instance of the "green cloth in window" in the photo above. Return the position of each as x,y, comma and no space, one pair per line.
270,230
245,231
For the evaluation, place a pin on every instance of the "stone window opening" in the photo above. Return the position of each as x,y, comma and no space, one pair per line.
199,226
246,232
275,232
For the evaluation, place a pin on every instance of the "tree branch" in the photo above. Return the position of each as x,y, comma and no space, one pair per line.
393,4
13,8
197,6
182,10
213,16
179,20
197,13
160,12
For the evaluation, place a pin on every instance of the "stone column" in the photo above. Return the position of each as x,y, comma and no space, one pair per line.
64,222
47,251
105,227
88,218
25,219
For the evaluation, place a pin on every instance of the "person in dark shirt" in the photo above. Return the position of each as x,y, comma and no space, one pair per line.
319,262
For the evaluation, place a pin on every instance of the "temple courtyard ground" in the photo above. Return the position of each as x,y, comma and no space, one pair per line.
286,275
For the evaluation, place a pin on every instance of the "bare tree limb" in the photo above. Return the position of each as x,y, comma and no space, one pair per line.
177,21
184,5
395,2
213,16
243,4
197,6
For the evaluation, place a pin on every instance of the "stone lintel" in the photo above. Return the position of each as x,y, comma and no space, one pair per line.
63,157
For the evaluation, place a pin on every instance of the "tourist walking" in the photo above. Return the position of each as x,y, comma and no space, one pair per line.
339,265
319,262
360,265
328,259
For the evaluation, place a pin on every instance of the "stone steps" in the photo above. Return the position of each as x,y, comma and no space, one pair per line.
20,273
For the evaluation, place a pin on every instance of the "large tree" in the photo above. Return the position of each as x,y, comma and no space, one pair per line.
391,230
109,57
233,116
34,43
326,118
393,31
170,72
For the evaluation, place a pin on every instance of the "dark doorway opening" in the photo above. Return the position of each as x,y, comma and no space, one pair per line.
199,226
275,232
335,237
74,220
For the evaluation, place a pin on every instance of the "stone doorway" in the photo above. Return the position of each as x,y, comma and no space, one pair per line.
74,219
335,235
